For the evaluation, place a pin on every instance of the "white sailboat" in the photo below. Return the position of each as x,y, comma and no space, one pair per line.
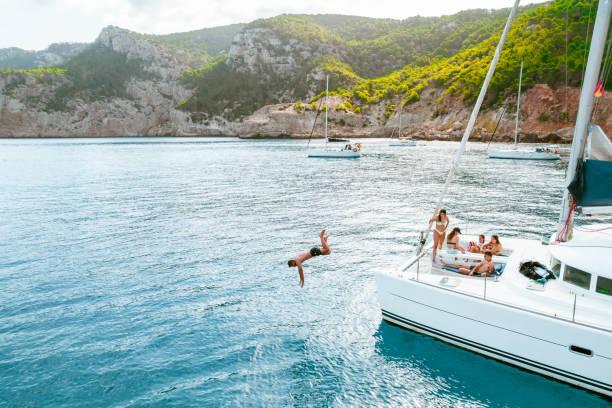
347,152
557,323
536,154
401,141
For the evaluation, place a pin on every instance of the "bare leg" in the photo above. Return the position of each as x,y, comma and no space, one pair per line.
441,241
464,269
436,238
325,250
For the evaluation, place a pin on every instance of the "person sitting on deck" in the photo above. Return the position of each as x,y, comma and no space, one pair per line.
476,247
452,242
494,246
486,267
306,255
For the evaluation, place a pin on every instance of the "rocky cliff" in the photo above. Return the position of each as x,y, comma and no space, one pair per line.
270,81
542,119
148,109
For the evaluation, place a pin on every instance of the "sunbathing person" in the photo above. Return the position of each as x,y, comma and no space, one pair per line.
476,247
452,242
485,267
494,246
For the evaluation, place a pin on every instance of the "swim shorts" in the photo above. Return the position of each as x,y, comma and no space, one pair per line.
314,251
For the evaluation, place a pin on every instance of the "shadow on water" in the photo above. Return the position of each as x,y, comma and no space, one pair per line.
472,377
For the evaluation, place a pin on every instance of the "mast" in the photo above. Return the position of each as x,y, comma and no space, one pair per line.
585,109
399,136
518,104
326,93
470,124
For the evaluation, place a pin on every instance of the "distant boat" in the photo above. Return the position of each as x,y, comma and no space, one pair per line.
400,140
539,153
347,152
337,140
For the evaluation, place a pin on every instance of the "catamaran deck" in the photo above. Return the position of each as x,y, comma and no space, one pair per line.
511,288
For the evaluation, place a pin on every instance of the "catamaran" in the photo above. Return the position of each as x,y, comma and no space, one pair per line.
400,140
539,153
347,152
547,308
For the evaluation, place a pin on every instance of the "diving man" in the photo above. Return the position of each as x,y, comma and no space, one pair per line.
306,255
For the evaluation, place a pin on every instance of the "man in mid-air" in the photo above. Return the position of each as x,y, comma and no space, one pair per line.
306,255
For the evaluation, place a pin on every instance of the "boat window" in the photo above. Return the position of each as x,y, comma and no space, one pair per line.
577,277
555,267
604,285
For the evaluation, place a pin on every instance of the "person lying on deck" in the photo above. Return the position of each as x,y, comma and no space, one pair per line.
494,246
485,267
306,255
452,242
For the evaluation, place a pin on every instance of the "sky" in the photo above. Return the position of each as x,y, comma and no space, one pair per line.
34,24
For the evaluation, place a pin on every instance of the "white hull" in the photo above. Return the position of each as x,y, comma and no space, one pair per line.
521,155
402,142
347,154
525,339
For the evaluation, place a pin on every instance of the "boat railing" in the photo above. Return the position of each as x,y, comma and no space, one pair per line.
412,269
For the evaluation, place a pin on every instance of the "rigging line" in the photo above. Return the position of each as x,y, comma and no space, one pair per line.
495,130
603,76
586,41
566,29
470,124
314,124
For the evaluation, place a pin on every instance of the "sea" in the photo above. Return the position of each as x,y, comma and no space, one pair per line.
152,272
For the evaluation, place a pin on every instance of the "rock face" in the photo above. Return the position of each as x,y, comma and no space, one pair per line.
149,109
259,50
55,54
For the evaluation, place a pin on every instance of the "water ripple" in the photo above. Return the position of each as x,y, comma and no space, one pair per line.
152,272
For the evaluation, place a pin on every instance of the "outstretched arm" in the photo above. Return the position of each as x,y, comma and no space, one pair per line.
301,272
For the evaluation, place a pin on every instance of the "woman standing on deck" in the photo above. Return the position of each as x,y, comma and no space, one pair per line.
439,233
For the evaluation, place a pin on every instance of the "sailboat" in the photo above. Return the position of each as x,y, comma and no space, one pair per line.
539,153
400,140
348,152
553,317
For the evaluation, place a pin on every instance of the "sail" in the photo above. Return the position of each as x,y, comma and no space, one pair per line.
599,146
592,185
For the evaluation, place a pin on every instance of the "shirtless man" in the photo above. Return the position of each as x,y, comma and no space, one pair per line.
306,255
485,267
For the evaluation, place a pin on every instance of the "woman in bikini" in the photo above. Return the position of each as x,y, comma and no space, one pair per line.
494,246
452,242
439,232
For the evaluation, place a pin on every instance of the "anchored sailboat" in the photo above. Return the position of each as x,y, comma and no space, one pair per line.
400,140
548,307
348,152
537,154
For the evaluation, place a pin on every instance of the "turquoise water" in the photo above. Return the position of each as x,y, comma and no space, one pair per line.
152,272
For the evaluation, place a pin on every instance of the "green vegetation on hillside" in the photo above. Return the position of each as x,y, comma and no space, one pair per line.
97,73
370,61
450,52
375,47
537,37
234,94
199,47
